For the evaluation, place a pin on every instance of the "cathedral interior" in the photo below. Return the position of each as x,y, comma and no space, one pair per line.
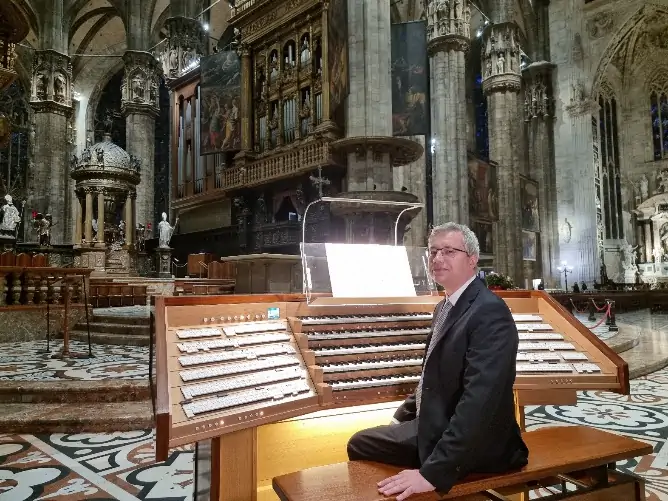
162,160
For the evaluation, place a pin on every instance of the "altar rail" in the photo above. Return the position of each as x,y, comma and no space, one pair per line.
28,285
654,300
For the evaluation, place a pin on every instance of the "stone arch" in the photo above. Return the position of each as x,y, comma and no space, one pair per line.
657,77
96,92
622,36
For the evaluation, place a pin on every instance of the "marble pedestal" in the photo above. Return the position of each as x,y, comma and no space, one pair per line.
163,263
374,223
91,257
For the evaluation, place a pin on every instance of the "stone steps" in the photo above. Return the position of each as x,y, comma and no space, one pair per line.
114,329
79,334
94,417
105,391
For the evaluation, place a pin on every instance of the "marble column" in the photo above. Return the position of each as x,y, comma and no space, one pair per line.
139,104
539,118
51,99
78,223
100,218
88,232
448,35
501,84
369,108
129,221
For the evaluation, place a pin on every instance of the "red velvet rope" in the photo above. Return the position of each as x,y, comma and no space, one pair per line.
596,306
575,307
607,314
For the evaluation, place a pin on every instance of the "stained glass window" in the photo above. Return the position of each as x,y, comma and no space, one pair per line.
659,113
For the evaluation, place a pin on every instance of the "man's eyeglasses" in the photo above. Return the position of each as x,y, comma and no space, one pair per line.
448,252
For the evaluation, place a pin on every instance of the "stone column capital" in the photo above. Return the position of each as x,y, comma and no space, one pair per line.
501,58
51,86
183,46
139,90
448,25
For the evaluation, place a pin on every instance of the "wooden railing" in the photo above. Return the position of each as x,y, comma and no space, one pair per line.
41,285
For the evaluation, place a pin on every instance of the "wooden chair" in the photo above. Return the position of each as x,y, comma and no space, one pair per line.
578,456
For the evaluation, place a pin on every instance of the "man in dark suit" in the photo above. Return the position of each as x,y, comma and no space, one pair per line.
461,418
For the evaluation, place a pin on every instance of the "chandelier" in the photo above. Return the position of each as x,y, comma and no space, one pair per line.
13,29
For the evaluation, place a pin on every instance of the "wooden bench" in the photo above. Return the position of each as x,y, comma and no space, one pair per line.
580,456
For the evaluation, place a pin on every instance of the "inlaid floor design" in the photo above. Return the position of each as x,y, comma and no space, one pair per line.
29,361
120,466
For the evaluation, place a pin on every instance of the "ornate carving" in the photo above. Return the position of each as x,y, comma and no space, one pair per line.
183,47
538,99
580,104
51,82
501,58
139,90
600,24
447,18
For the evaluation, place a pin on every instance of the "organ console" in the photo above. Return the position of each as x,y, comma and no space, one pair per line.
229,367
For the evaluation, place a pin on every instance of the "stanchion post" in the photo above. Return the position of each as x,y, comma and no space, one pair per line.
592,311
612,326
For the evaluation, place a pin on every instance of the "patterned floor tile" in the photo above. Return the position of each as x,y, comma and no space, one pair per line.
29,361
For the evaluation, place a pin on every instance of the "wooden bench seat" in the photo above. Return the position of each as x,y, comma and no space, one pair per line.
559,453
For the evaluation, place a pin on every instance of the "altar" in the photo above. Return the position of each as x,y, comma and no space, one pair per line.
651,238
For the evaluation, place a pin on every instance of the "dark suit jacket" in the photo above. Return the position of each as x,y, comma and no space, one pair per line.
467,420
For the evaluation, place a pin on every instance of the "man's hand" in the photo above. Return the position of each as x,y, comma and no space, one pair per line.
404,484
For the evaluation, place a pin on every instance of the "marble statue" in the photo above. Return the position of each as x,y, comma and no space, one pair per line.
137,88
566,230
658,254
630,256
59,88
500,64
644,188
42,82
165,231
305,56
10,217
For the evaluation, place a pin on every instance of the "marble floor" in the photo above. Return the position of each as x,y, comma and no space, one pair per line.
120,466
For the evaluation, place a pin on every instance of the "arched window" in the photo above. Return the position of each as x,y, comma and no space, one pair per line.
609,156
658,99
17,152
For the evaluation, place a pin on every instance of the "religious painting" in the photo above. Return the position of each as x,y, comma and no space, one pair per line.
529,244
529,204
410,78
484,230
337,40
220,98
483,190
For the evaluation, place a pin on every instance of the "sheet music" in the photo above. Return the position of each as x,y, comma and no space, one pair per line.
369,270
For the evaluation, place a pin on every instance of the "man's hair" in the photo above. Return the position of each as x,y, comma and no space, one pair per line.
471,245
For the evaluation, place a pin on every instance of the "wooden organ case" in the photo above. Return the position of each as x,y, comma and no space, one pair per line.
268,384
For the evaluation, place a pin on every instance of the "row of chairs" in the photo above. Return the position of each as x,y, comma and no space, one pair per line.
104,295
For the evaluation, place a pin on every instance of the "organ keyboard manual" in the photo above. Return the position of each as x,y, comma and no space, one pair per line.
233,362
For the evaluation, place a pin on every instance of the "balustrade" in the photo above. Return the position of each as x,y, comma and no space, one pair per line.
29,286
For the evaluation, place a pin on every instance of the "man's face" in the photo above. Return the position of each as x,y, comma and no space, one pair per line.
449,263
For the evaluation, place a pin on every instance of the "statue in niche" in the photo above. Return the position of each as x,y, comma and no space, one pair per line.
59,88
32,138
165,231
41,85
153,93
137,88
305,55
274,67
500,64
95,229
577,92
10,217
173,61
456,9
74,162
